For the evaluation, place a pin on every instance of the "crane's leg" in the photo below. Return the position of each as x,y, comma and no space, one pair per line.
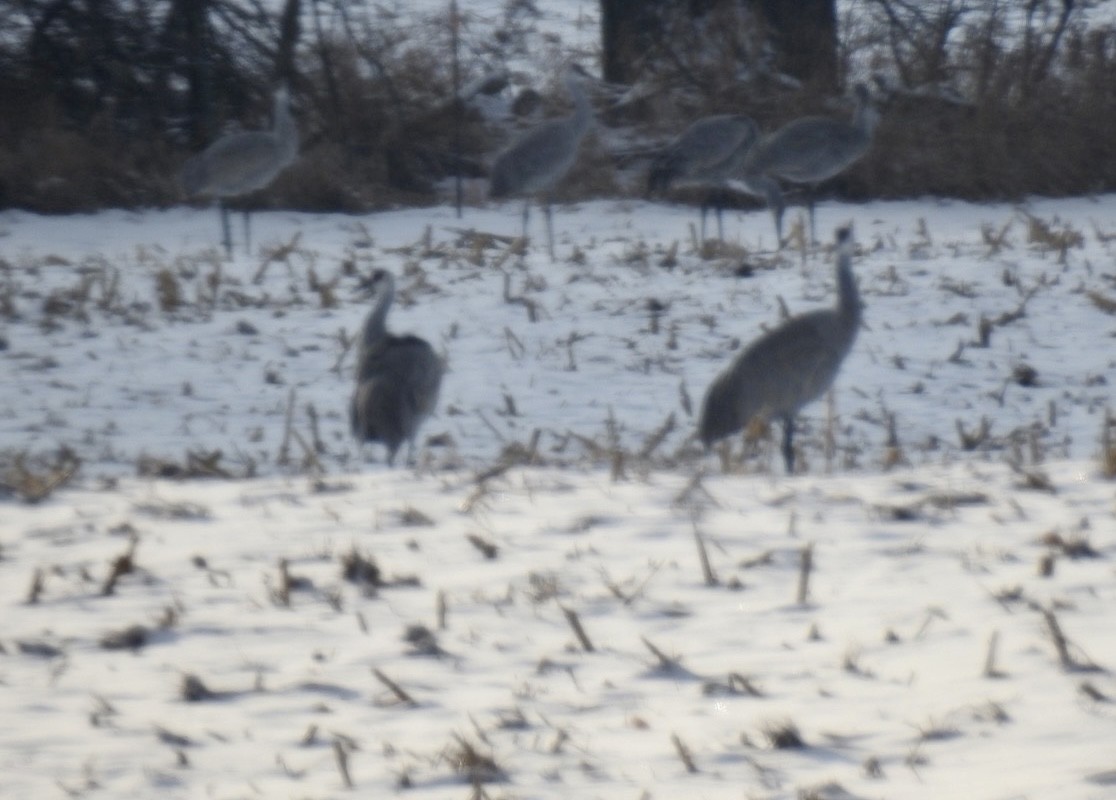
226,232
810,206
767,187
247,232
788,443
714,198
526,217
549,229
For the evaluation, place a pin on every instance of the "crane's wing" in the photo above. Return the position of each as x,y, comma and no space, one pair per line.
406,374
790,366
234,164
537,160
777,374
808,150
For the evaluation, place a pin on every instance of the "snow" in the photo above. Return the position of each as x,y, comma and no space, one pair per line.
881,670
882,664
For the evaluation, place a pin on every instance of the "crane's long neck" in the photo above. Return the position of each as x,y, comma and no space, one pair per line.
375,327
865,117
283,125
848,296
583,111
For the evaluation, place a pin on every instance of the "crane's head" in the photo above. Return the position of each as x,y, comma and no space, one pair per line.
377,286
866,116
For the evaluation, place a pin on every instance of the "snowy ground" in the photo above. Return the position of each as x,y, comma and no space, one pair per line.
884,674
304,620
923,662
138,311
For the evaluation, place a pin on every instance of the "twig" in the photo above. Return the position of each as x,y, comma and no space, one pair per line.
684,753
1061,644
280,253
442,609
394,688
516,348
121,565
805,566
743,684
282,458
342,756
666,663
579,631
488,549
38,583
283,593
657,437
531,306
691,490
347,343
311,458
707,573
315,433
990,670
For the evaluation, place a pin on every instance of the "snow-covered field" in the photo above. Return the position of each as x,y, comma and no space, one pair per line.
923,662
219,595
138,312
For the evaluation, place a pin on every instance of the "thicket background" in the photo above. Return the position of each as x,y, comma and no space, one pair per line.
103,99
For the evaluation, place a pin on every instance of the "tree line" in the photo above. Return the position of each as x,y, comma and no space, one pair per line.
103,99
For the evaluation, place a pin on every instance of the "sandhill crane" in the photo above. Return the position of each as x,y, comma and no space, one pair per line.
788,367
242,162
397,377
536,161
809,150
710,152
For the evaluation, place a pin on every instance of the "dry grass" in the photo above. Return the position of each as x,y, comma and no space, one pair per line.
32,478
782,735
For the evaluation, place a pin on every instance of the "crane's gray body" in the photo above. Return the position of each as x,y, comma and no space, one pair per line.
243,162
398,378
533,164
808,151
788,367
709,152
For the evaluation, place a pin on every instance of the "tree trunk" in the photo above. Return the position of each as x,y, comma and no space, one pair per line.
628,27
805,37
289,33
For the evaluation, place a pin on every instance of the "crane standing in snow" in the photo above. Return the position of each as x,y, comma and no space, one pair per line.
242,162
536,161
788,367
709,152
397,377
809,150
